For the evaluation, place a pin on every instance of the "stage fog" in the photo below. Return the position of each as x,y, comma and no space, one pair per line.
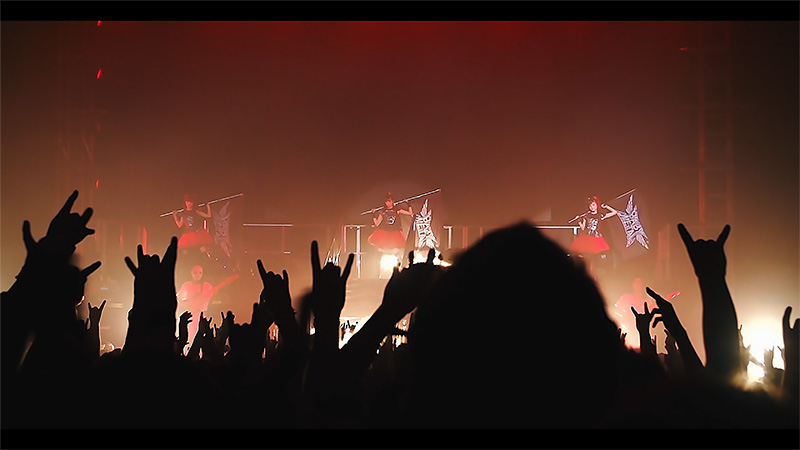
301,127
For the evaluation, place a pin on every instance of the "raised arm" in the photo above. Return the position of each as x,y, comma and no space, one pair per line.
328,297
791,356
151,320
403,293
178,219
666,313
646,345
93,333
720,324
611,211
205,214
275,294
407,211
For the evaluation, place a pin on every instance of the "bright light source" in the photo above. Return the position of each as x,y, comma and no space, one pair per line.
388,263
763,337
99,73
421,257
754,373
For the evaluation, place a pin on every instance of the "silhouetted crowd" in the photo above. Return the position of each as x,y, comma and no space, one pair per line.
551,358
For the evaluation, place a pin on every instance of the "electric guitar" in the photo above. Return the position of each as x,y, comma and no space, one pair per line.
201,298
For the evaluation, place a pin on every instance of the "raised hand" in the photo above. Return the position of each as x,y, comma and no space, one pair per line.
224,330
47,272
791,356
406,288
154,283
93,332
328,284
183,331
95,312
404,291
204,325
643,327
276,292
65,231
643,320
707,256
666,314
71,282
720,324
151,320
327,299
69,228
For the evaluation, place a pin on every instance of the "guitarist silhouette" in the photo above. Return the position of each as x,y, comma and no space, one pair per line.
195,295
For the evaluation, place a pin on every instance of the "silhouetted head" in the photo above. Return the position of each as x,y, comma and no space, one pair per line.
593,202
514,334
189,201
389,201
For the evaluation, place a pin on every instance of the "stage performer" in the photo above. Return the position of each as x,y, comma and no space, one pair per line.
190,221
194,296
388,236
590,242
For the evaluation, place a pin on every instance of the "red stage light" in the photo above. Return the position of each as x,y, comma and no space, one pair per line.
99,73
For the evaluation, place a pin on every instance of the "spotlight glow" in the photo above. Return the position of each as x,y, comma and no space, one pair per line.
420,257
761,338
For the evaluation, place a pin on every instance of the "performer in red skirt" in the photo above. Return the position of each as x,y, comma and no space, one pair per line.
590,241
190,221
388,235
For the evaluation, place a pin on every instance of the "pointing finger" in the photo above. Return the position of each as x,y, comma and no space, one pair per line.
685,236
723,236
130,265
69,203
89,270
347,267
315,264
27,237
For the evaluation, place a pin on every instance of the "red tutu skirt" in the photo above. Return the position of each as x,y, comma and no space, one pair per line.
195,239
387,239
588,245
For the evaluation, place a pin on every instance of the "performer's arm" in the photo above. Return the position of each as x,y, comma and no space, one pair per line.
178,219
612,213
377,219
182,293
206,213
408,212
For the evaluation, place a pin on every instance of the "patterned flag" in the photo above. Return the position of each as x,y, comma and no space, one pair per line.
634,232
422,223
629,240
426,228
222,229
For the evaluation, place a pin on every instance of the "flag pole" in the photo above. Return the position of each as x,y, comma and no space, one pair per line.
206,203
403,200
623,195
615,198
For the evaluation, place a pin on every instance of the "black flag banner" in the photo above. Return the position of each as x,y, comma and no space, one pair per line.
630,239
